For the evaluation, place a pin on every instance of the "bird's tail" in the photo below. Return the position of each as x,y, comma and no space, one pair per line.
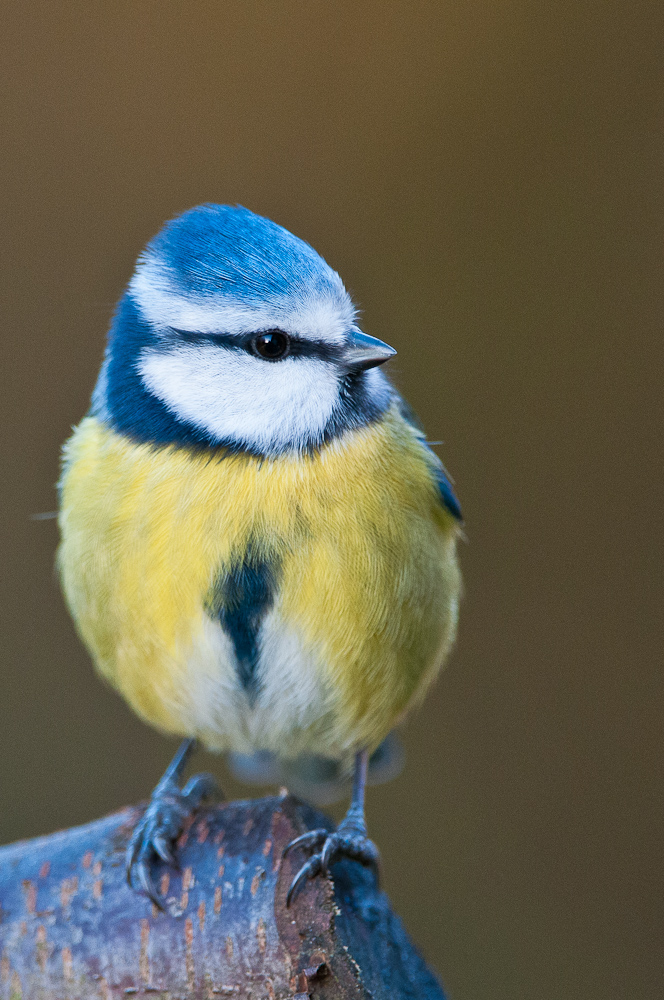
317,779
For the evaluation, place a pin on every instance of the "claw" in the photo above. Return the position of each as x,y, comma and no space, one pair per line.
349,841
162,848
329,848
132,854
156,833
201,786
147,885
310,839
308,870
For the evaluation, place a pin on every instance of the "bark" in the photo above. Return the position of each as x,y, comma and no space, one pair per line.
71,929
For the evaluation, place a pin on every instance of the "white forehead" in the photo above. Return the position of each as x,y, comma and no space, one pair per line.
318,313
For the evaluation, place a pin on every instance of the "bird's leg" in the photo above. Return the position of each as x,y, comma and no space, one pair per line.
349,840
162,822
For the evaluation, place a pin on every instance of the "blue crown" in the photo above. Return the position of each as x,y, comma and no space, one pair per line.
225,250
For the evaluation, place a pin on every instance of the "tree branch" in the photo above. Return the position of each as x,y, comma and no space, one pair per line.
71,929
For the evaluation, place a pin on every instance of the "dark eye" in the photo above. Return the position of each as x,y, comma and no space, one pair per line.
272,346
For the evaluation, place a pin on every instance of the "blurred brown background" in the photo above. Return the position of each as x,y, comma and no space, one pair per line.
487,179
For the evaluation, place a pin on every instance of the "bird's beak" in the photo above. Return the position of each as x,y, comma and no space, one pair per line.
361,351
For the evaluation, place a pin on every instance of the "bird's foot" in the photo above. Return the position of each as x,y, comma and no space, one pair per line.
160,826
349,840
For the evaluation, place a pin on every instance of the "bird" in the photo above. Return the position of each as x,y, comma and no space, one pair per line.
257,544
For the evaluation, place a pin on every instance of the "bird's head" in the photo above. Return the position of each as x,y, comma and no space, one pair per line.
233,332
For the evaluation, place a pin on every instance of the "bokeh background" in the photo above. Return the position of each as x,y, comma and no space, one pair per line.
487,177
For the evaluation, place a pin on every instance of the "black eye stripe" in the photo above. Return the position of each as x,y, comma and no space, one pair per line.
298,347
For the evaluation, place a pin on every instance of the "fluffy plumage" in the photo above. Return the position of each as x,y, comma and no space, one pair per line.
257,553
365,583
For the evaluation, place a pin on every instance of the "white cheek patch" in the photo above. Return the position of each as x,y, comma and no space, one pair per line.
313,315
232,396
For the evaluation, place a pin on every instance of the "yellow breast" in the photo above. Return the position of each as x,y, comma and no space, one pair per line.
367,594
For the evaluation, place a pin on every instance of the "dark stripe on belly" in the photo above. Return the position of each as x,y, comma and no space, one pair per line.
239,600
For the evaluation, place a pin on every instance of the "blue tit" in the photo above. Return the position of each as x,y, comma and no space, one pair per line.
258,547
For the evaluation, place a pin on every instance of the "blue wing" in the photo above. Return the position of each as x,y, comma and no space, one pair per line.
447,497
